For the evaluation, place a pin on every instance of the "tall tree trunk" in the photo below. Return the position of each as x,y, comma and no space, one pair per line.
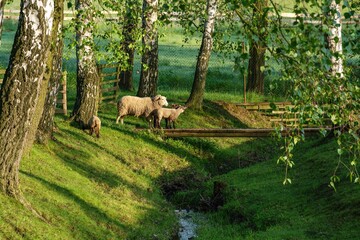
334,39
2,7
21,90
45,128
197,92
130,26
88,79
255,81
149,62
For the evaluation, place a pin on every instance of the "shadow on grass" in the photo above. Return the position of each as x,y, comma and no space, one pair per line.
93,212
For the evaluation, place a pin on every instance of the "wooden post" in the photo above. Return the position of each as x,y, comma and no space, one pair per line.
64,100
244,75
2,73
100,69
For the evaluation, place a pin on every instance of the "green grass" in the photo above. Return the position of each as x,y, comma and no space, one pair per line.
127,184
258,206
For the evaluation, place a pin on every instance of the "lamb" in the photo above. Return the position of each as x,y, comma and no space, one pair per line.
94,124
137,106
169,114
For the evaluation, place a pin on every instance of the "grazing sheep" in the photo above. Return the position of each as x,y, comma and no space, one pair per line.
137,106
94,124
169,114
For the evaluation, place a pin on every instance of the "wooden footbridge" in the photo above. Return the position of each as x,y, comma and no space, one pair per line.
234,132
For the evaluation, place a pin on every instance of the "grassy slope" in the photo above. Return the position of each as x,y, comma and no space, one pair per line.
108,188
259,207
105,188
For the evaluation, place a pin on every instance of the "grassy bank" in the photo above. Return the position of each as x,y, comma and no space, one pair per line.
127,184
258,206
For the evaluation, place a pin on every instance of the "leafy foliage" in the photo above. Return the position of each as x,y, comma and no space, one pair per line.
319,96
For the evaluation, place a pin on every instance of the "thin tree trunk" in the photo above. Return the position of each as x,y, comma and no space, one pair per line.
255,81
197,93
2,7
126,76
21,90
88,79
149,62
335,39
46,125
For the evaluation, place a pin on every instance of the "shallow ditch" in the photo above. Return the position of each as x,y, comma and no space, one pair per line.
187,225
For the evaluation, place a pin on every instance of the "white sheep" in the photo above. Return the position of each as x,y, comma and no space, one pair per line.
139,106
94,124
169,114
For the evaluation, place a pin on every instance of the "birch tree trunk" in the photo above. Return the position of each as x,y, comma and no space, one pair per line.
2,7
335,39
198,88
21,90
88,79
45,128
255,81
149,62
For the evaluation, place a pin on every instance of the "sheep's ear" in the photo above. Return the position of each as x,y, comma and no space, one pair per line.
156,98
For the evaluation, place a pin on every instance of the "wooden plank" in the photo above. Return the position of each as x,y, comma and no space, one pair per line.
264,103
108,97
104,82
108,65
110,89
264,107
109,74
252,107
59,110
260,132
2,72
284,120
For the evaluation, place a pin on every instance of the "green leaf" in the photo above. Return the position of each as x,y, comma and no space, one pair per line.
340,151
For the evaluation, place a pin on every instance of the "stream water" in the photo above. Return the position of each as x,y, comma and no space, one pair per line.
187,225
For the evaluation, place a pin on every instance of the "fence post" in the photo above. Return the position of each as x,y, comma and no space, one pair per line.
244,74
64,100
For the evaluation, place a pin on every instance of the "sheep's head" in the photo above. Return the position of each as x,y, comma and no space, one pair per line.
179,108
182,108
160,100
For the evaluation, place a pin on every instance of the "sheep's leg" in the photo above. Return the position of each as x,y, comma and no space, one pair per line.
159,122
97,132
173,124
155,121
121,118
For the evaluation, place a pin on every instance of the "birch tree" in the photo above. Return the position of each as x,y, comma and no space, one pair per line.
45,128
149,61
197,92
334,39
23,83
88,79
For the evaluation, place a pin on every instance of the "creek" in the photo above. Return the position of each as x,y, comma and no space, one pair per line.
187,228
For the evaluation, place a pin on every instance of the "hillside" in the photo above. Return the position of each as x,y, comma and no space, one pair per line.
127,184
